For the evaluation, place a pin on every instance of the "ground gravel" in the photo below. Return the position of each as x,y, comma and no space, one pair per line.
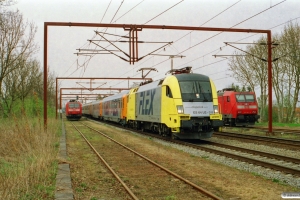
257,170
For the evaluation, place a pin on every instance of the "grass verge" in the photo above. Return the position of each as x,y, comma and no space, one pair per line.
28,161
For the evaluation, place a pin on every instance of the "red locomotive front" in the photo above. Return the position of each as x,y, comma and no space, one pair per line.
73,110
238,108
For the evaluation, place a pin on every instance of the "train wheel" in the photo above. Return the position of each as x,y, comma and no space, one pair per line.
142,128
173,136
232,122
159,131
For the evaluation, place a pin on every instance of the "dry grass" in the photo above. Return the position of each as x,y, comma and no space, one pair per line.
28,158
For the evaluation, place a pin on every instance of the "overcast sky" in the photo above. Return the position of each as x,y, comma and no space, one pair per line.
63,42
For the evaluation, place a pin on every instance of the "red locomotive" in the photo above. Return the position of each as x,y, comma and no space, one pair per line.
73,110
238,108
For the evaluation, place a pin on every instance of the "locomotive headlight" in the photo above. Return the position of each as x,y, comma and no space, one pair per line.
216,109
240,106
180,109
253,106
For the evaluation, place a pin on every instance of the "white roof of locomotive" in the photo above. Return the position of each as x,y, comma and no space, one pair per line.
149,86
116,96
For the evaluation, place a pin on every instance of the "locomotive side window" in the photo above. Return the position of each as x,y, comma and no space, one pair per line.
228,99
169,92
199,91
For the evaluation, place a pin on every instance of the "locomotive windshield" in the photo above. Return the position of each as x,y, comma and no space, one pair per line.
73,105
195,91
245,98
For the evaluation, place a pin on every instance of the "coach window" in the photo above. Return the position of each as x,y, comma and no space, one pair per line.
169,92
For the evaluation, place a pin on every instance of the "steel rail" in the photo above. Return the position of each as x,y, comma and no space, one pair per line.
254,152
295,143
222,153
202,190
285,130
233,156
250,160
107,165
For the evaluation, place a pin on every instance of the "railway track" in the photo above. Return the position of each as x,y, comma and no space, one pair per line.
132,170
254,152
266,139
279,130
266,130
277,162
280,164
263,159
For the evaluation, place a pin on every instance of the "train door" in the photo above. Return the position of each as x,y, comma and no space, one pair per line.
124,107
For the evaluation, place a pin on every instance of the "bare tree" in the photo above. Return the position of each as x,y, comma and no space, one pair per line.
28,75
51,87
6,2
251,71
9,93
290,41
15,47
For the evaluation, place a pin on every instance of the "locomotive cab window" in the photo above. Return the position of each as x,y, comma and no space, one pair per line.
73,105
249,98
245,98
196,91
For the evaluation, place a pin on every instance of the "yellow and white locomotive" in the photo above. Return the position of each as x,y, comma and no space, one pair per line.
183,105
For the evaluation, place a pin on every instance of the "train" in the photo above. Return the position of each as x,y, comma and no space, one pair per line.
238,108
73,110
183,105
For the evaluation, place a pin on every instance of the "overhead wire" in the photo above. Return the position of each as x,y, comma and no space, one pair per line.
215,36
163,12
85,60
212,36
190,32
232,26
184,35
257,34
220,33
158,16
117,11
128,11
88,60
151,20
210,19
